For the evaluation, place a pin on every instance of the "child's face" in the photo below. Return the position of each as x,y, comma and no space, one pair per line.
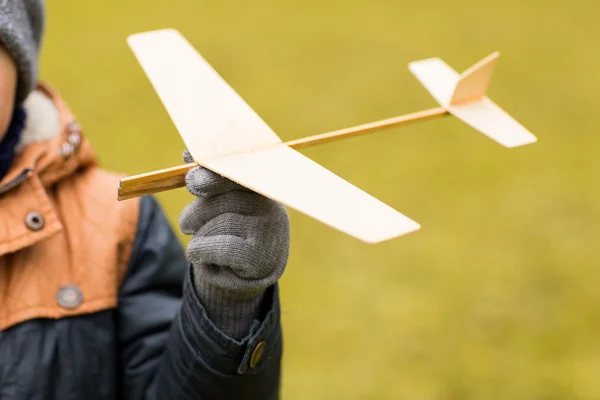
8,84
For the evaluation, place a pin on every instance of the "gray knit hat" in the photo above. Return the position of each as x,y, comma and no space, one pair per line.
21,29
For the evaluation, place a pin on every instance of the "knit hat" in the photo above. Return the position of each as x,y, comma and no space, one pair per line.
21,28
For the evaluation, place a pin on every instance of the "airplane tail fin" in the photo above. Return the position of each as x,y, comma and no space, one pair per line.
464,97
474,82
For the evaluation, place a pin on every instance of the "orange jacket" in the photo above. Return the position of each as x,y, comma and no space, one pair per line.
64,237
96,295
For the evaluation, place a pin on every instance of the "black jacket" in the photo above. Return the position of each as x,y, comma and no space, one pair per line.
157,344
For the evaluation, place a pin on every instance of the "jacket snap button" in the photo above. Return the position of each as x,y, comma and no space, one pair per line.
69,297
74,127
75,139
257,353
66,150
34,221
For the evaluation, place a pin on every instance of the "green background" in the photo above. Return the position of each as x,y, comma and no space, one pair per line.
497,297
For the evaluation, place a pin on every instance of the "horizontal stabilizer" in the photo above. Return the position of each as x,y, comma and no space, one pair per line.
492,121
437,77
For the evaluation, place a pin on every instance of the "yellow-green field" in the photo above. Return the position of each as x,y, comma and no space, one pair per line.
498,296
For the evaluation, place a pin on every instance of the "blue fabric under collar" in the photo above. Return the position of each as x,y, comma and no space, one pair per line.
10,140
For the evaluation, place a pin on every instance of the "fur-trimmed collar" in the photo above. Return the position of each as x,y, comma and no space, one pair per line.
52,145
43,120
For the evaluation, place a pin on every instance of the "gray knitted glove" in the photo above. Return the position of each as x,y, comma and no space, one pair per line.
239,247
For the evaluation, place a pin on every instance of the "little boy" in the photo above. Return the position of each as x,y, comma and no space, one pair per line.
97,299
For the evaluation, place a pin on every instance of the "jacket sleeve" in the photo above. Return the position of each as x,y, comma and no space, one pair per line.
168,348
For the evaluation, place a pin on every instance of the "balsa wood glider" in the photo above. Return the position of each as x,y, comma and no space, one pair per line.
226,136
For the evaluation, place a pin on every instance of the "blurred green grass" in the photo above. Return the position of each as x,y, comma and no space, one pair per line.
497,296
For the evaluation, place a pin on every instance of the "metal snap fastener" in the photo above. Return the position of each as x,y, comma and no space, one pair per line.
74,139
34,221
257,353
73,127
66,150
69,297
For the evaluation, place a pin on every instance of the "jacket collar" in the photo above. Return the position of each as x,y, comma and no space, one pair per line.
52,148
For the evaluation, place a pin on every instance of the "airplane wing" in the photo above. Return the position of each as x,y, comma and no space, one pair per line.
290,178
211,117
482,114
226,136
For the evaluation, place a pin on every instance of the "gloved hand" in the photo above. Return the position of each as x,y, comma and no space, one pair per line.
239,247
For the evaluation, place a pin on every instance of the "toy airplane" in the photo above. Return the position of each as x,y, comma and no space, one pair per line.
226,136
